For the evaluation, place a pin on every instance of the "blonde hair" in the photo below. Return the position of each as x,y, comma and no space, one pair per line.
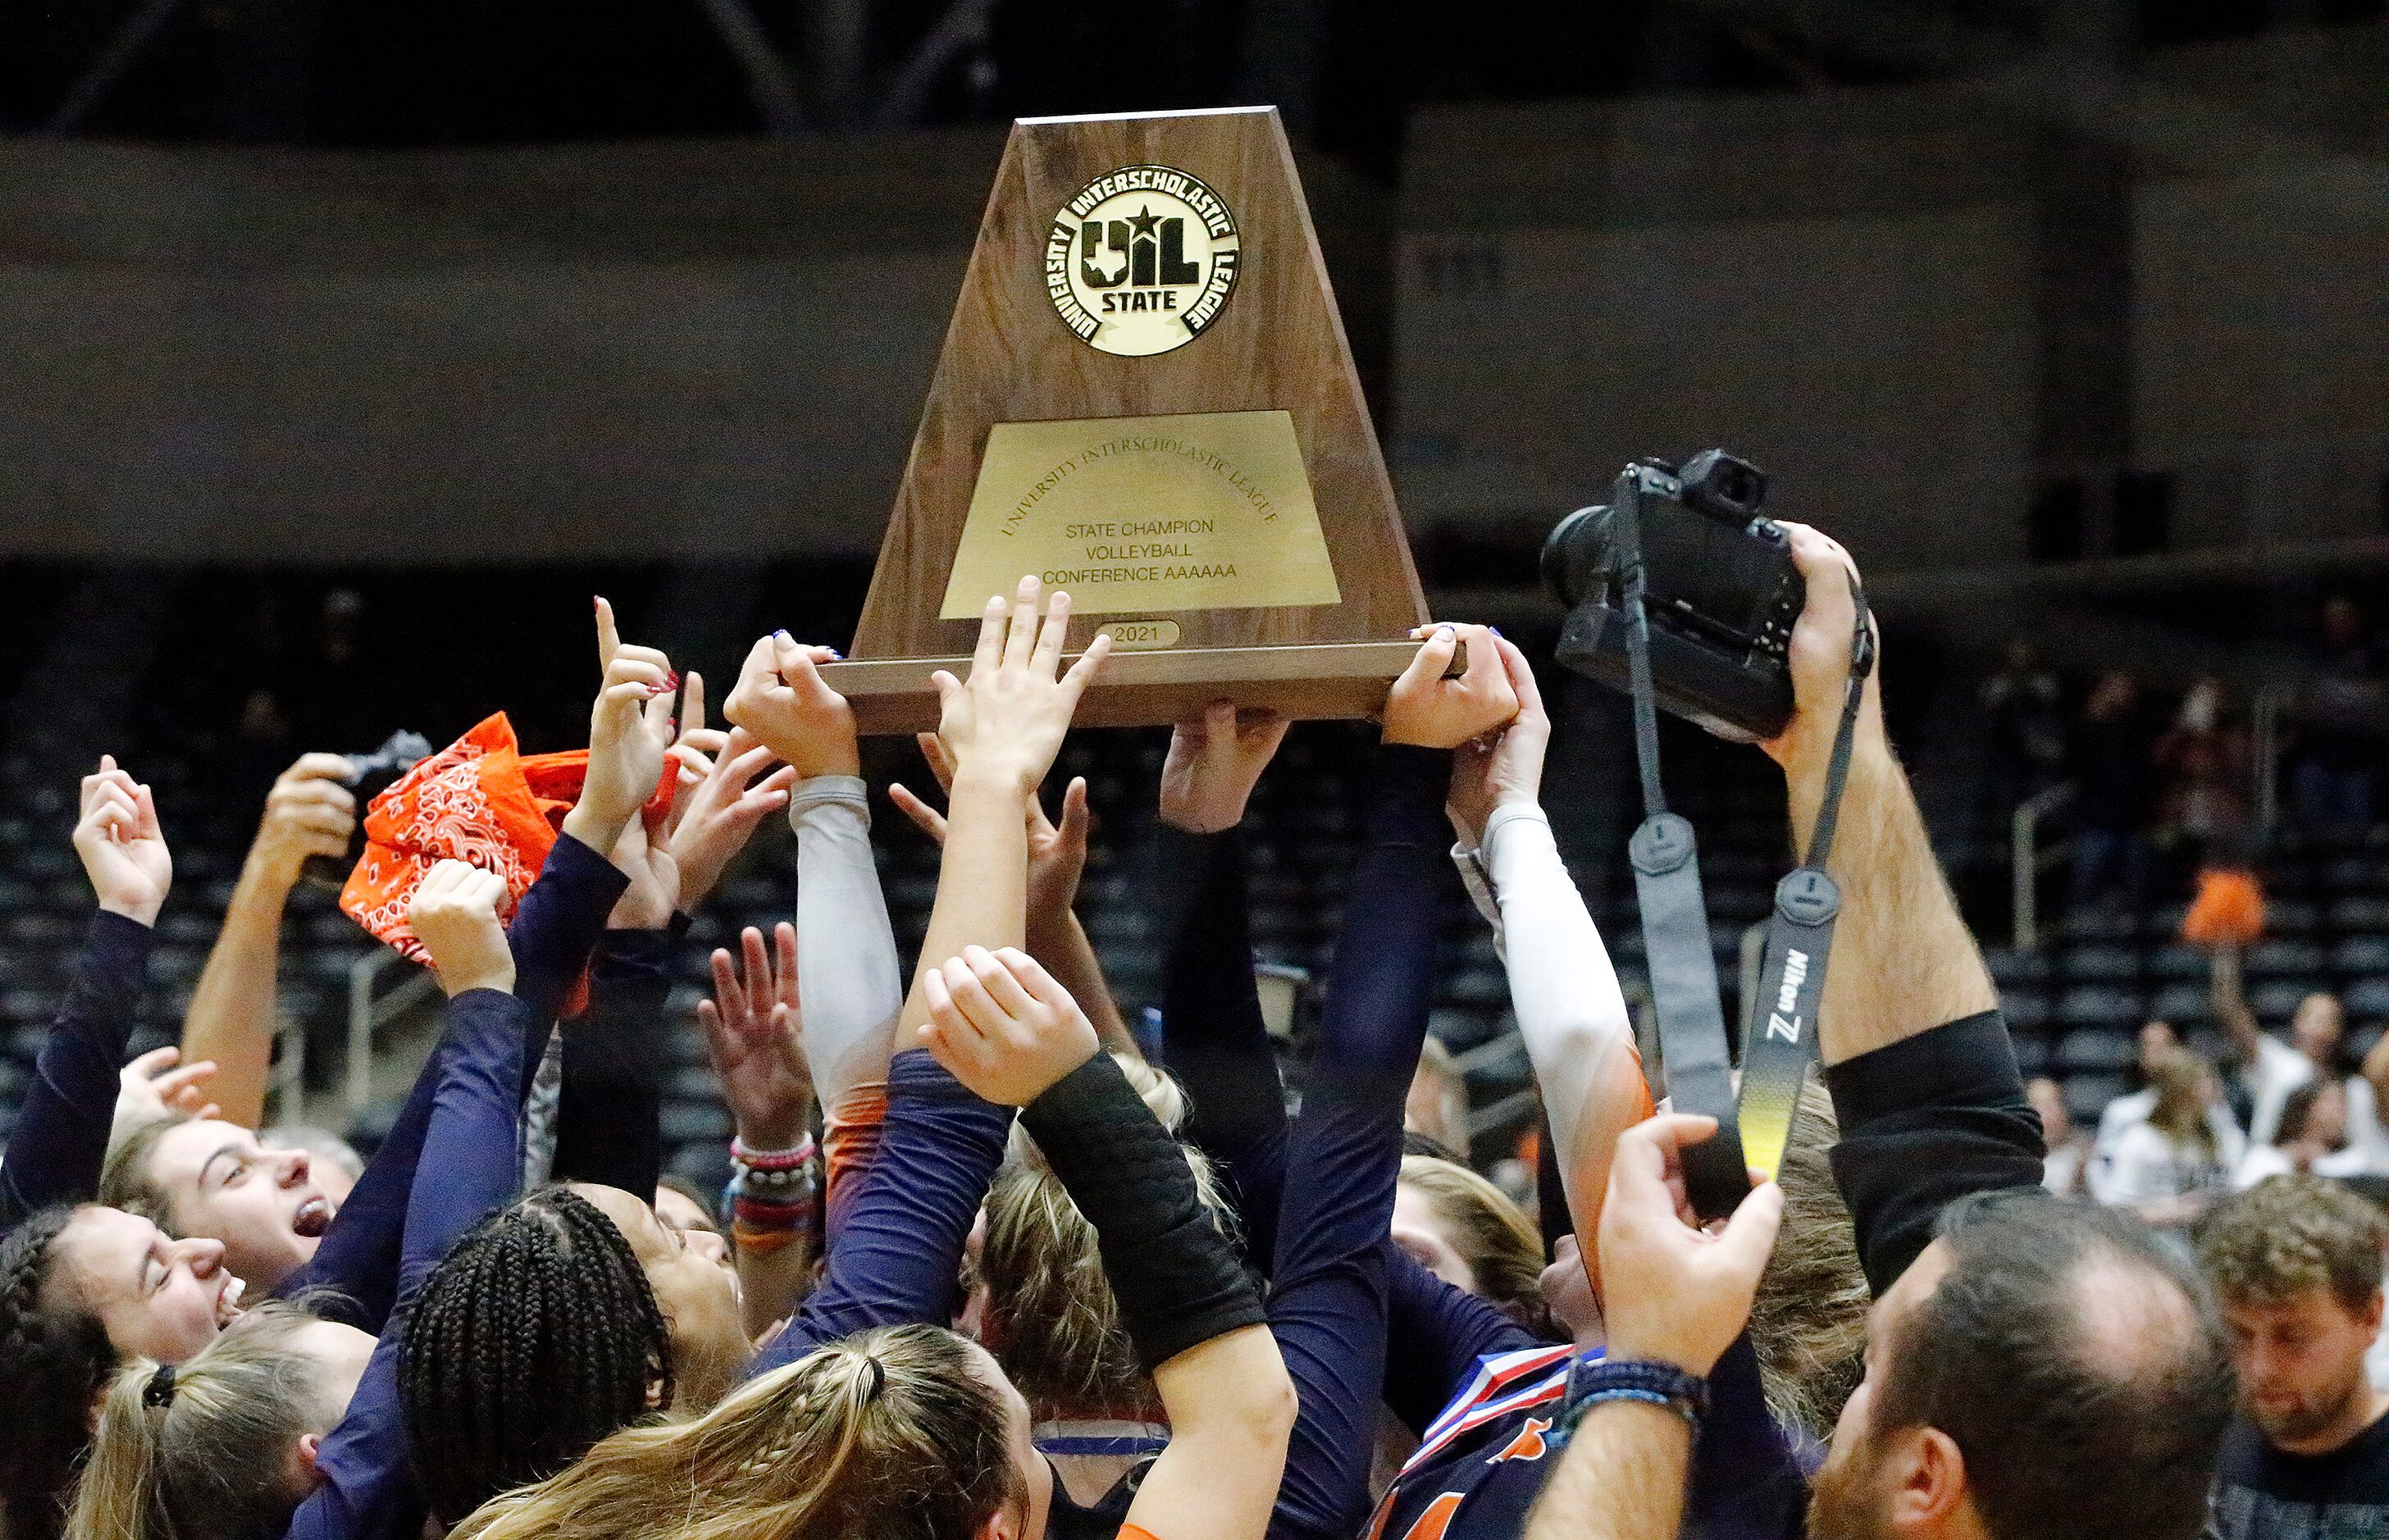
1501,1245
893,1435
1053,1322
208,1448
1809,1324
2180,1112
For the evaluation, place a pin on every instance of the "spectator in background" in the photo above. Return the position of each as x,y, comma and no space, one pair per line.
2024,720
2132,1108
2202,764
2340,750
2312,1138
2066,1169
2169,1168
2110,767
2296,1264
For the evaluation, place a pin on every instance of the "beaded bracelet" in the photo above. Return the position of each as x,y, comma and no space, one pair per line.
797,1156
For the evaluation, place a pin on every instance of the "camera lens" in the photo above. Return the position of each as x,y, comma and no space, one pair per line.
1575,556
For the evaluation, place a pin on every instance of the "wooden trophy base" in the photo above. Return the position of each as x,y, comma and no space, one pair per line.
1312,681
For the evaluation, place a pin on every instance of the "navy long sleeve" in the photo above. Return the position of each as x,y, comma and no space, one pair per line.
1328,1307
894,1259
1213,1036
554,925
61,1136
471,1164
557,924
607,1125
356,1265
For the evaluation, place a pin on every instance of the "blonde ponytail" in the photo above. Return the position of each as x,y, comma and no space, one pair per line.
208,1448
894,1435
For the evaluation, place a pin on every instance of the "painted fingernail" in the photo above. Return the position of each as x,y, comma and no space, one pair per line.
1495,629
671,681
783,639
838,656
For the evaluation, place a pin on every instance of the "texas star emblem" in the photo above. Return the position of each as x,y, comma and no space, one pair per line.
1141,259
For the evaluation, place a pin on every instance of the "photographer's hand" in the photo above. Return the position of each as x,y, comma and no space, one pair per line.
1677,1293
1903,960
309,812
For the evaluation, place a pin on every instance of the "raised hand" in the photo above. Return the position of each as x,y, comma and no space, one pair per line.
1004,724
1674,1293
1429,710
1820,657
785,704
647,903
1057,853
1215,761
1002,1027
309,812
695,749
630,727
455,914
1506,767
124,852
713,820
753,1033
157,1083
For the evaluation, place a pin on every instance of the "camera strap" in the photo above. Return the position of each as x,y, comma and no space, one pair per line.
1683,962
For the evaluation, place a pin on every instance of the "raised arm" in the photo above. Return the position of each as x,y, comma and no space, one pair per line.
62,1135
1057,857
1005,1028
1213,1036
1002,727
753,1035
849,984
471,1164
1570,1009
1923,1078
231,1020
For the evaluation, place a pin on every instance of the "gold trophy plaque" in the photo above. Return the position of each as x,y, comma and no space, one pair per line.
1145,398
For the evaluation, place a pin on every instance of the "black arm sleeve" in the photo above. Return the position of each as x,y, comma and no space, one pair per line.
1927,1120
608,1119
1176,1277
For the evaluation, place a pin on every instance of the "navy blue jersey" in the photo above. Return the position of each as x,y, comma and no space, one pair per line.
1482,1462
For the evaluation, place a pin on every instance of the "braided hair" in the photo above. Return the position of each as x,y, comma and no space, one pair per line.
54,1358
537,1336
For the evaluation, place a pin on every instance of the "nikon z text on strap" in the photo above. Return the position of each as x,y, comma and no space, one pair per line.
1685,993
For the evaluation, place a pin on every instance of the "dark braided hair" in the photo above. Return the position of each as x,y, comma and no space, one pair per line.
55,1359
537,1337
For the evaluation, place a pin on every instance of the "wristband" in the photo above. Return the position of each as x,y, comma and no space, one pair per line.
1592,1381
1176,1278
790,1158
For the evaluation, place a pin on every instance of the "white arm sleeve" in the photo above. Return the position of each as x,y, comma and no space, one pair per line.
1570,1010
849,982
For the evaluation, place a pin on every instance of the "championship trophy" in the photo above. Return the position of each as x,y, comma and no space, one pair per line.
1145,398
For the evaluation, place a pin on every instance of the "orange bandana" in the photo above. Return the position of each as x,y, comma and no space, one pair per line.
482,800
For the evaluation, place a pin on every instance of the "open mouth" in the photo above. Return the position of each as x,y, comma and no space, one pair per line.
315,1216
228,1300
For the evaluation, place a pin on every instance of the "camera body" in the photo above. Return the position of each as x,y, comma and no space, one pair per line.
1721,592
369,775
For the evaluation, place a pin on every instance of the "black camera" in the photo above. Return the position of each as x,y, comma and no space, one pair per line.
369,776
1719,589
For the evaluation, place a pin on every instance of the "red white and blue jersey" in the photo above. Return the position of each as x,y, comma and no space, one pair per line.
1480,1463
